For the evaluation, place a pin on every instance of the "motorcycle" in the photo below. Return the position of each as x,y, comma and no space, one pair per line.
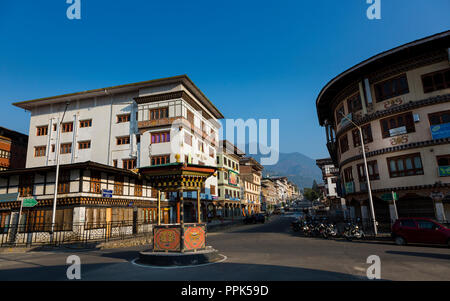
330,231
353,231
307,229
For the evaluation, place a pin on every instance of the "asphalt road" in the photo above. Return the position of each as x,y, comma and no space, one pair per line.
269,251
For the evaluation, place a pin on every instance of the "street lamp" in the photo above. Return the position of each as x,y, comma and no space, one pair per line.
367,173
57,168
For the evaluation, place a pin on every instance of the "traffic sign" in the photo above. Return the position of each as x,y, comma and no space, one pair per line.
388,196
29,202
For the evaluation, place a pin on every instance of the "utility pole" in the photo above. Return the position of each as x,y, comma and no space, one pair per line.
369,188
57,168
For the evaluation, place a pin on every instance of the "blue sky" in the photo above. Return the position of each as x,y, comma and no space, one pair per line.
253,59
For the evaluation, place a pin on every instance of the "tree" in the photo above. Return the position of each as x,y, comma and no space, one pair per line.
310,194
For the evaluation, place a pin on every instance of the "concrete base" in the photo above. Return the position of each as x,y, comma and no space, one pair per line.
209,255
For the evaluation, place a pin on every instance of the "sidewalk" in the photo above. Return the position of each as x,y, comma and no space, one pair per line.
217,225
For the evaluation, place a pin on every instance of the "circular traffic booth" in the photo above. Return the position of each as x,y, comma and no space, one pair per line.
178,244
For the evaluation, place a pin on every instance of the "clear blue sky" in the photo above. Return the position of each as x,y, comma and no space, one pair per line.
253,59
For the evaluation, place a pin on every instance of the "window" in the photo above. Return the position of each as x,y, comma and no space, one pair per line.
159,160
392,87
26,183
348,175
42,130
343,143
354,103
436,81
201,147
190,118
67,127
53,148
397,125
439,118
66,148
64,182
85,123
213,189
129,163
218,159
408,223
123,118
427,225
373,171
123,140
402,166
159,113
340,112
138,188
39,151
118,185
367,135
84,144
161,137
444,165
187,139
54,127
115,163
211,152
95,181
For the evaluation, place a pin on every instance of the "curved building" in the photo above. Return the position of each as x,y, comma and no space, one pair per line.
401,100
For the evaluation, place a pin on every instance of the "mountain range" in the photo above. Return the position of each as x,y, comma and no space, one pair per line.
300,169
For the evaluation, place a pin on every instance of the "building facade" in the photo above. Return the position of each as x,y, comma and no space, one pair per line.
401,100
251,174
228,179
13,149
128,127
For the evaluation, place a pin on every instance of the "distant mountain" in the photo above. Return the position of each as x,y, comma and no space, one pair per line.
300,169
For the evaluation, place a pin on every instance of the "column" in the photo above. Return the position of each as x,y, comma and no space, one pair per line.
439,210
159,206
199,216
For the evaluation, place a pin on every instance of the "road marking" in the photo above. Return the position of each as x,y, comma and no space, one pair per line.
177,267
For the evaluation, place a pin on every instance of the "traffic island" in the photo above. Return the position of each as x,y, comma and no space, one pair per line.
208,255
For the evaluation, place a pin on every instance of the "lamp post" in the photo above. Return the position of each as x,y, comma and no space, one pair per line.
57,168
367,173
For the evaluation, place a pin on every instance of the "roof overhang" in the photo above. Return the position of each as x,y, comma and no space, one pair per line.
377,62
183,79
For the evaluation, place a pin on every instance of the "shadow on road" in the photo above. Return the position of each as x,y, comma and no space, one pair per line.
225,271
420,254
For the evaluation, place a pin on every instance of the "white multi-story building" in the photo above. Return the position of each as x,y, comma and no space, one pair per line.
127,126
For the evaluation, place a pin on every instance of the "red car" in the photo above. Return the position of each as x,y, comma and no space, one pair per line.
420,230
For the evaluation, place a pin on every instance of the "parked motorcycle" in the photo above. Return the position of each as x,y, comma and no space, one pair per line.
353,231
330,231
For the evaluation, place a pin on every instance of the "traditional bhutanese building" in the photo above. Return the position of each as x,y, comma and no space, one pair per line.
13,149
228,179
401,101
251,174
106,136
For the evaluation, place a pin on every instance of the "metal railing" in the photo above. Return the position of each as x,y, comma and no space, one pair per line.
74,233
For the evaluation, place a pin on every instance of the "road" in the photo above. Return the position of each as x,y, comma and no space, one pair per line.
268,251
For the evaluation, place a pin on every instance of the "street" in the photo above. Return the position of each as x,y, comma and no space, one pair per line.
269,251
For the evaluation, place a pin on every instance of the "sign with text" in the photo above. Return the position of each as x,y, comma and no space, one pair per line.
444,171
440,131
232,178
388,196
107,193
30,202
9,197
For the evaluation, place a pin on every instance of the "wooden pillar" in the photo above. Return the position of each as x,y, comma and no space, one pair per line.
159,207
199,216
178,212
181,202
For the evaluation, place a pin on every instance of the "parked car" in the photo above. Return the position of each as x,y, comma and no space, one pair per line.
420,230
254,218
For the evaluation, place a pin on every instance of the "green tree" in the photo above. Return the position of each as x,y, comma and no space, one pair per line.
310,194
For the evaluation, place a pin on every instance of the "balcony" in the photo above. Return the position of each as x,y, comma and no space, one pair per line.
156,122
